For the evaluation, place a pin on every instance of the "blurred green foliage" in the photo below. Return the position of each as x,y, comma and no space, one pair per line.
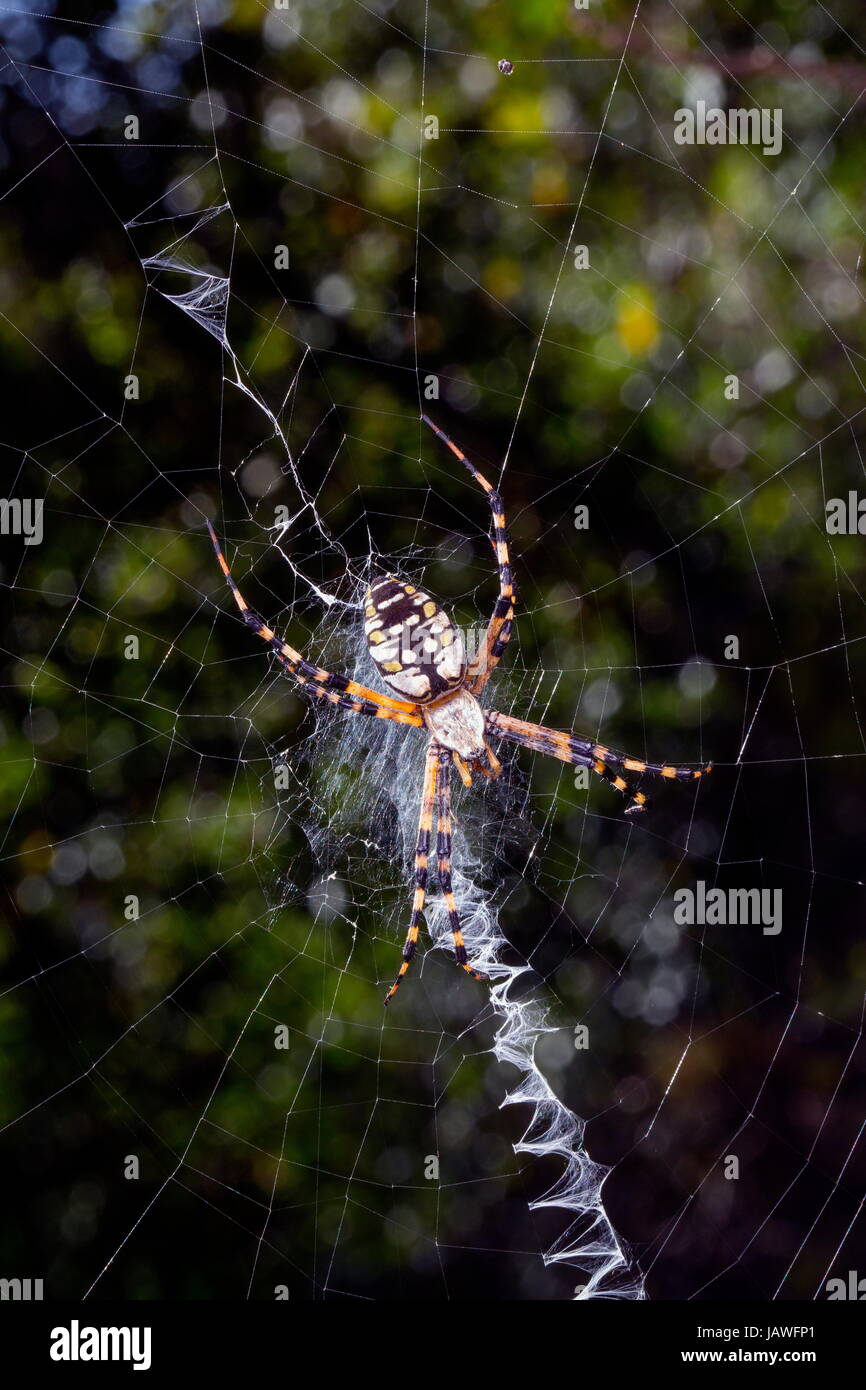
602,387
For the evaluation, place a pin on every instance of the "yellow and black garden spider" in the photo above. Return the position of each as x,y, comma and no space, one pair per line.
420,654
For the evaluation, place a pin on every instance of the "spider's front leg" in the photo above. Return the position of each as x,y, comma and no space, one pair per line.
443,850
422,858
437,791
596,757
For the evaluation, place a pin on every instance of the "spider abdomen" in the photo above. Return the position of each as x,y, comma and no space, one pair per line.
417,649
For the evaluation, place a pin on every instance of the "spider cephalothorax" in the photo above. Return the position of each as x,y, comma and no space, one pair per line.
419,653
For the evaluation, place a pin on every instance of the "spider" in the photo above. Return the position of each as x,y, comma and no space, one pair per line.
420,654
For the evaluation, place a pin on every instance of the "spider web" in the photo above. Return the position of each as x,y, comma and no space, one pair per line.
208,880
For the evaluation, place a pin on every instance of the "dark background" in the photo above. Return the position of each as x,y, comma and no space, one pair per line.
154,776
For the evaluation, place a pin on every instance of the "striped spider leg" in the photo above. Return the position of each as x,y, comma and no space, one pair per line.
584,752
501,622
422,857
327,685
437,791
443,854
